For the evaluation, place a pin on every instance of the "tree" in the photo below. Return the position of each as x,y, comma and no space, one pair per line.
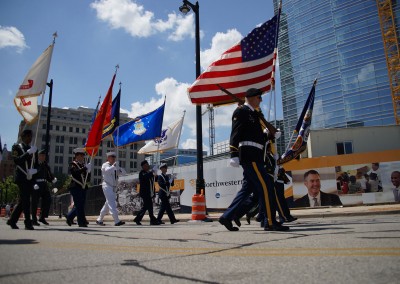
10,190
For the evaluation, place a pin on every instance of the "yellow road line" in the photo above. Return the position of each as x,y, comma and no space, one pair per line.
226,251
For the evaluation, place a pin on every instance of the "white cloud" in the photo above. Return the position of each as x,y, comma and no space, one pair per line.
219,44
12,37
138,22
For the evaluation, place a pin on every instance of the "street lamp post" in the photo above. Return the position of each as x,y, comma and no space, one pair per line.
185,8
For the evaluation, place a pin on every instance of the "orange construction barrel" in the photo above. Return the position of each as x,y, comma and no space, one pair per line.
198,207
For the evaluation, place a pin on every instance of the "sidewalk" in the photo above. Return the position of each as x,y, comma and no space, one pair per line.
323,212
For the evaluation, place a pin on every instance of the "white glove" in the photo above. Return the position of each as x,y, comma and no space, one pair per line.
171,180
31,172
35,187
88,167
155,168
54,180
266,131
32,150
234,162
278,134
116,164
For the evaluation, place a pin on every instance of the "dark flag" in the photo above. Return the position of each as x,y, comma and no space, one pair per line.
114,123
302,129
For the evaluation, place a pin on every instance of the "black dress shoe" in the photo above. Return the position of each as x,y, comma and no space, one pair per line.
120,223
228,224
137,222
43,221
291,219
237,222
35,223
100,223
69,222
175,221
29,227
12,225
276,227
248,219
161,222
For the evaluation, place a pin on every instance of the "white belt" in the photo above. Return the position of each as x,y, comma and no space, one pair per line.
250,143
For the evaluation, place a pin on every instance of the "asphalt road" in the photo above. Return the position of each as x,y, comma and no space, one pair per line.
350,249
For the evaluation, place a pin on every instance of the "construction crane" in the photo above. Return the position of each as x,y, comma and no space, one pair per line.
211,127
392,52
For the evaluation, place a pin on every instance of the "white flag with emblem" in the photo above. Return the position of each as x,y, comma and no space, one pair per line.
33,86
169,139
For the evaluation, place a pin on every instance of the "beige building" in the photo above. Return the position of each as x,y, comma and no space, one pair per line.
338,141
69,129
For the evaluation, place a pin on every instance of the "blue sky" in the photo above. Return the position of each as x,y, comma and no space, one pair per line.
152,42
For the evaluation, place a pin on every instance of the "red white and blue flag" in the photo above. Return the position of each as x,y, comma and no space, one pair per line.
248,64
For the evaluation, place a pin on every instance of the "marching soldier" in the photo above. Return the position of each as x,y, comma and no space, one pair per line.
146,178
23,154
110,171
250,132
80,173
165,182
41,190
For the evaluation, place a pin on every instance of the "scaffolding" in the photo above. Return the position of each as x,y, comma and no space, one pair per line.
392,52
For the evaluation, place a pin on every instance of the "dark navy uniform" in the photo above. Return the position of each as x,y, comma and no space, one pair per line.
22,160
164,194
78,186
146,179
283,211
247,142
41,178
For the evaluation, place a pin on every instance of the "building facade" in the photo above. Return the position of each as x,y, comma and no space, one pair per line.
340,43
340,141
68,130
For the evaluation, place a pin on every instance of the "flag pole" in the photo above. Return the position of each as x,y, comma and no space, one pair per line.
177,146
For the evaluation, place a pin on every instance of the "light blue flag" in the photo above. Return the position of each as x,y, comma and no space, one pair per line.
144,127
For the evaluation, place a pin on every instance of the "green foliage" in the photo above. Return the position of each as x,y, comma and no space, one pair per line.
10,191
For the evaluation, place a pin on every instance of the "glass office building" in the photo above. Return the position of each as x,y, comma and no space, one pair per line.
340,43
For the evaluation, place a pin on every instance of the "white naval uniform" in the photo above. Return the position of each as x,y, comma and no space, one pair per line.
110,179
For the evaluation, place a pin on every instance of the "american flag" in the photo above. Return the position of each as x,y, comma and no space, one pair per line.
248,64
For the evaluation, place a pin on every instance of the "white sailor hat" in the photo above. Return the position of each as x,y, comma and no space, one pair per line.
79,151
111,154
163,165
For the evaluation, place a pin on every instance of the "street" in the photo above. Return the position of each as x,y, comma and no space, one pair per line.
352,249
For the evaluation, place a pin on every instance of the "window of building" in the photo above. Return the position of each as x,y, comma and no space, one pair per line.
135,146
44,126
64,128
83,141
75,140
77,130
135,155
71,129
83,130
131,155
345,147
57,127
70,150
